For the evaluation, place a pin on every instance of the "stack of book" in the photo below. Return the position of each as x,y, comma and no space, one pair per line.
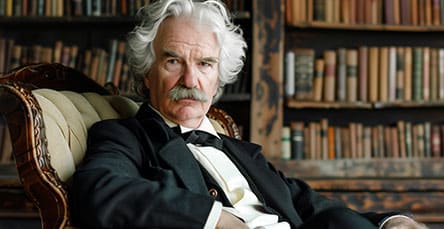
103,66
366,74
66,8
366,12
322,141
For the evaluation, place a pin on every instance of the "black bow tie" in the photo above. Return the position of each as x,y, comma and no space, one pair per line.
202,138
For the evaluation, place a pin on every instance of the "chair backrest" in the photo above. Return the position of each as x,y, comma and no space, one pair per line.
49,109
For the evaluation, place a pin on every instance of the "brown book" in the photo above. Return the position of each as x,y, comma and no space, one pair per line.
421,12
324,139
313,142
360,11
373,74
375,142
394,143
331,143
363,73
401,138
353,140
329,75
434,82
352,75
47,54
345,12
383,74
58,47
392,74
426,73
66,54
341,74
436,12
389,12
436,141
95,61
87,61
420,140
405,12
367,142
352,10
74,52
400,73
307,142
346,142
441,73
16,56
309,10
408,73
414,12
428,12
318,139
359,140
318,79
388,142
381,141
408,139
121,49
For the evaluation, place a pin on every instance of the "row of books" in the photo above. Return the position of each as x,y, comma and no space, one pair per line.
322,141
371,12
61,8
367,74
103,66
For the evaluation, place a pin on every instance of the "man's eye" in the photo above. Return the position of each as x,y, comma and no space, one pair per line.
173,65
172,61
206,64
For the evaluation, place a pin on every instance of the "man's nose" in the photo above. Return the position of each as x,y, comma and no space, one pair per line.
189,76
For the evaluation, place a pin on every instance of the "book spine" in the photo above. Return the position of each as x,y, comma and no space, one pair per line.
341,74
329,77
352,78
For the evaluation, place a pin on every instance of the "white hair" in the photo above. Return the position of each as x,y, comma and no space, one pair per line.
213,13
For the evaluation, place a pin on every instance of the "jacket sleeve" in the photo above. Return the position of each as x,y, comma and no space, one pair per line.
112,188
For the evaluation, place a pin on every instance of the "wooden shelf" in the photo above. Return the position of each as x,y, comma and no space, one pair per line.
363,105
342,26
408,168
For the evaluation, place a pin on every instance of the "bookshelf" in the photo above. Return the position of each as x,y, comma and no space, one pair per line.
410,183
26,29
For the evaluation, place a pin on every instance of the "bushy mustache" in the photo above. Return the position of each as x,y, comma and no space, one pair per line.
181,92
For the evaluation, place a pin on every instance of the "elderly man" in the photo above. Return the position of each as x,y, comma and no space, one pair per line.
155,171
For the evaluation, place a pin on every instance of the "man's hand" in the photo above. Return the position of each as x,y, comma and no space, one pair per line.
402,222
229,221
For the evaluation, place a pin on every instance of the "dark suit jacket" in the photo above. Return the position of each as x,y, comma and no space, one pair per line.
139,173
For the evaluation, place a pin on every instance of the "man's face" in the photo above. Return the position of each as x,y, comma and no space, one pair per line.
187,56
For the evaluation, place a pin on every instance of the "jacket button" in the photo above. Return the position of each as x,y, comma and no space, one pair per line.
213,192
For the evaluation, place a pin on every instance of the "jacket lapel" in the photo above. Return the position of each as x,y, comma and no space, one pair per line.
177,155
171,149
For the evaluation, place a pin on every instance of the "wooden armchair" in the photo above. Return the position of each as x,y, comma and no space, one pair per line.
49,108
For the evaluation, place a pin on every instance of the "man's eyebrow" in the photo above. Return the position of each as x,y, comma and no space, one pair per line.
169,53
210,59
